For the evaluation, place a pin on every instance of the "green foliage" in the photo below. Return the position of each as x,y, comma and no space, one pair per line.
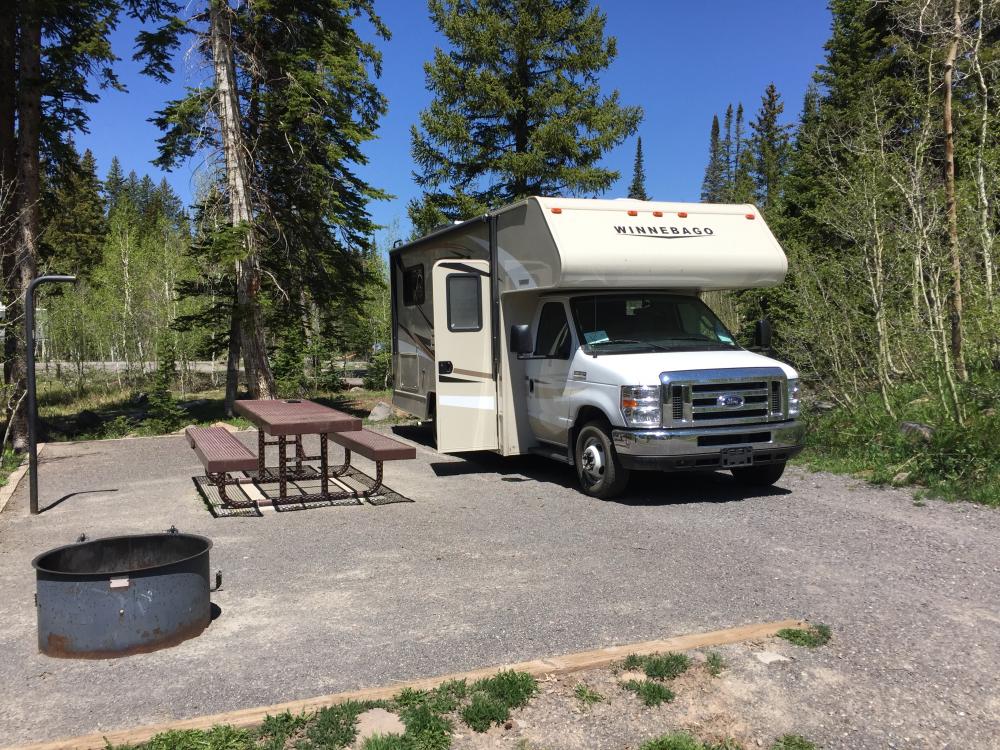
73,217
484,711
958,462
810,637
792,742
164,414
769,148
222,737
586,695
714,663
379,374
333,726
651,693
517,107
658,666
684,741
713,186
385,742
637,188
426,728
512,688
276,731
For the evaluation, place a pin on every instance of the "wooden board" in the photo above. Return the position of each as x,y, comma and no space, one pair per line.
556,665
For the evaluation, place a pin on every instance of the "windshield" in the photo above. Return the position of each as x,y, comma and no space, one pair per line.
643,322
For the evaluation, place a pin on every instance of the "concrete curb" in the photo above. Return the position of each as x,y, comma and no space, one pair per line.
556,665
8,490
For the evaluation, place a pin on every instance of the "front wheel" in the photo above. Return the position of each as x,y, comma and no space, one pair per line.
598,467
759,476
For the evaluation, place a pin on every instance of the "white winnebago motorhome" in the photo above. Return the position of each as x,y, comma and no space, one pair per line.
574,329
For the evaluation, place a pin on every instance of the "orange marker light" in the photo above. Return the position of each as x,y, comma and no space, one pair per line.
557,210
751,216
657,213
629,403
682,214
633,213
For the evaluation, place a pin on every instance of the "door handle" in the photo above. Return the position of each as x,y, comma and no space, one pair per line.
531,385
445,368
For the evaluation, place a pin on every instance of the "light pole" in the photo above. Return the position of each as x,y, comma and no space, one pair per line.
32,415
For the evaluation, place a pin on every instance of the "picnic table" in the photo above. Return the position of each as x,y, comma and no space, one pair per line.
289,420
284,418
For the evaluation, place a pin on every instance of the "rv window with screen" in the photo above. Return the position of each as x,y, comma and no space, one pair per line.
552,340
465,309
413,286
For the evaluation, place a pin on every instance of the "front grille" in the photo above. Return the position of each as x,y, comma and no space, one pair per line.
723,397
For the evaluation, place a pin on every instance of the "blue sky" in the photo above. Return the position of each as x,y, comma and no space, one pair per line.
682,61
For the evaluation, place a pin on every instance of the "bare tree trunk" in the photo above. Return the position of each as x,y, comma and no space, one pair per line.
8,178
985,232
233,361
29,217
260,380
955,295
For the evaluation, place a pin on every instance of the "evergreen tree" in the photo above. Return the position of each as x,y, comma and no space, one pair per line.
637,189
517,107
73,217
114,184
741,188
713,187
769,148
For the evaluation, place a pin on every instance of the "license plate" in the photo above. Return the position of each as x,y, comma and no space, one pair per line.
737,456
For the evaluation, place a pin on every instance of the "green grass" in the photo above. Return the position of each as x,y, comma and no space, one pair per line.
385,742
714,663
650,693
810,637
684,741
9,461
792,742
959,462
658,666
586,695
492,698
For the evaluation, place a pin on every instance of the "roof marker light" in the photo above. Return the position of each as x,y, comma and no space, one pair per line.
682,214
557,210
657,213
751,216
633,213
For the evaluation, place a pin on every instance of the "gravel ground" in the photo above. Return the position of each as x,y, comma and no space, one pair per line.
501,560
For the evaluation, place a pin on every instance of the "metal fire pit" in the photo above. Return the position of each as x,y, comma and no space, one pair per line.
122,595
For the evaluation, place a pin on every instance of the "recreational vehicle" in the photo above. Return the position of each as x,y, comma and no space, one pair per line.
574,329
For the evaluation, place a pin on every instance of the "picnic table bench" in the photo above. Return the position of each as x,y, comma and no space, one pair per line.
223,455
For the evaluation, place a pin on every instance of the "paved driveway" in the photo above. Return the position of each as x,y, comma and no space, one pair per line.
501,560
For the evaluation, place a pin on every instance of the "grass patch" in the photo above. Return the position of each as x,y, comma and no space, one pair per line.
333,726
684,741
650,693
792,742
586,695
9,461
385,742
492,698
658,666
956,462
714,663
277,731
810,637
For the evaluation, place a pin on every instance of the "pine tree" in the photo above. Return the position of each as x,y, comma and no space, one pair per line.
713,187
637,189
73,217
741,188
517,108
114,184
769,148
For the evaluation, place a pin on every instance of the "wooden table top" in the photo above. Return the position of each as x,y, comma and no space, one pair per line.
295,417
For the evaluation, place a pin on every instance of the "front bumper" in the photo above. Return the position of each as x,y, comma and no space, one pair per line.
674,450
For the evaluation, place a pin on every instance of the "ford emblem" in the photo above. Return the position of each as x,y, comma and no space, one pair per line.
730,401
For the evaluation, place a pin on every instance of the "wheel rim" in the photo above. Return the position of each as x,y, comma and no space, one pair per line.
593,461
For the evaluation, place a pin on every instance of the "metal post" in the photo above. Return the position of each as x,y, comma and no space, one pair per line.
32,414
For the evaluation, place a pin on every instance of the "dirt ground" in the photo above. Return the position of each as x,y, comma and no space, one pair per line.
750,702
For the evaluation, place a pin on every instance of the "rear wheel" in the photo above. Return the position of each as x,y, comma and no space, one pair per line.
759,476
598,467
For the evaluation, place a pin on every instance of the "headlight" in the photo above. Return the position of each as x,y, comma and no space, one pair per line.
641,405
793,397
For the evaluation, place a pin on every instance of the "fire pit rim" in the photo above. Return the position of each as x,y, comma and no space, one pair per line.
35,563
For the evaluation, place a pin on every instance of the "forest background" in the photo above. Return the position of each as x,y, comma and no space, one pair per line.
883,192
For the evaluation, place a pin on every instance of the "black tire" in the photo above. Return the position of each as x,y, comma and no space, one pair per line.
598,467
759,476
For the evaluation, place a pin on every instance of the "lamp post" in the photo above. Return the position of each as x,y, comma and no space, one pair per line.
32,415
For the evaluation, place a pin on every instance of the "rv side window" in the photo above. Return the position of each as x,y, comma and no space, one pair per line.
552,340
413,286
465,308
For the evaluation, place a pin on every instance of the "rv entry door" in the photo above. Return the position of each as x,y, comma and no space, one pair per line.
466,393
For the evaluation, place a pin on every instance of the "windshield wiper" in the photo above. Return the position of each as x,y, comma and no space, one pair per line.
654,347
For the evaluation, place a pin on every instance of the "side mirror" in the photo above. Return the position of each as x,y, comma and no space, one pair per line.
520,339
762,334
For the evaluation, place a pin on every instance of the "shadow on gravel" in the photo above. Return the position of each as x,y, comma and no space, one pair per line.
684,488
